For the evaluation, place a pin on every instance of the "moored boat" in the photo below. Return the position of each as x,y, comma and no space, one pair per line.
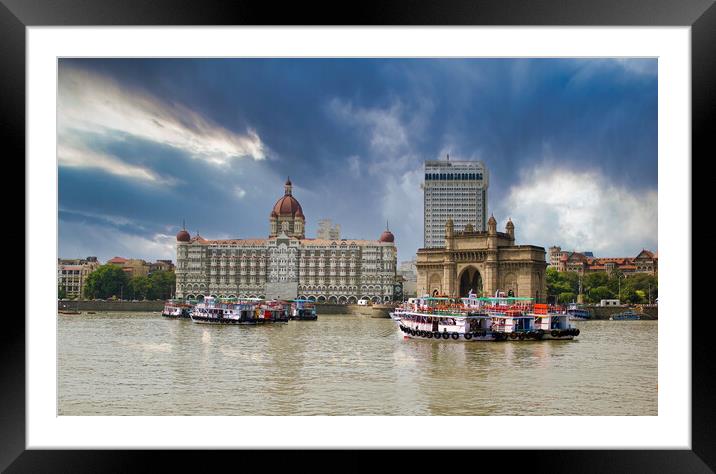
213,311
176,309
303,310
273,312
442,318
522,320
628,315
578,314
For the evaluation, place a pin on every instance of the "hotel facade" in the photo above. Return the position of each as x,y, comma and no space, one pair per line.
287,264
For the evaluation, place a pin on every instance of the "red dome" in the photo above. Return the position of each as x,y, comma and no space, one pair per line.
287,206
386,236
183,236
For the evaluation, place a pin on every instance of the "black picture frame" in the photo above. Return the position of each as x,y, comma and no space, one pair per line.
16,15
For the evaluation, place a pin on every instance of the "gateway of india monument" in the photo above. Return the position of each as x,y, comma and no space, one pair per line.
484,262
287,265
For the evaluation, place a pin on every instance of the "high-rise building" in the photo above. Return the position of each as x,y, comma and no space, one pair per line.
328,231
456,190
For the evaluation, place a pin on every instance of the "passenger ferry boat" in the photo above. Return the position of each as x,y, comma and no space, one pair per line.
628,315
213,311
176,309
521,319
482,319
273,311
442,318
578,314
303,310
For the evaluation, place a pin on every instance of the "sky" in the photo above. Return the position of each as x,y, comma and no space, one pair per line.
146,144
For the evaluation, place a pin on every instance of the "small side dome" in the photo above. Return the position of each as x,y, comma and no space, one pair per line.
387,236
510,225
183,236
491,220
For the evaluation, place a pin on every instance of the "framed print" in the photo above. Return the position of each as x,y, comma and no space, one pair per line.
415,228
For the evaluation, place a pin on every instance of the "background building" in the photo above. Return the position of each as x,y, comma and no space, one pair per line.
137,267
132,266
556,253
645,262
287,264
455,189
72,275
409,272
161,265
328,231
482,262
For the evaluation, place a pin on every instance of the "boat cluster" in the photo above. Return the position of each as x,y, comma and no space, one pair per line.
473,318
242,311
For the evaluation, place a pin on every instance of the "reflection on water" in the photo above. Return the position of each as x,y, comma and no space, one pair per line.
143,364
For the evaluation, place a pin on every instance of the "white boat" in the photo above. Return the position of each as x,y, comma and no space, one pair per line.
213,311
442,318
176,309
520,319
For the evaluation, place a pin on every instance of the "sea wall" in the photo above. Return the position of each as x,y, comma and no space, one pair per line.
604,312
111,305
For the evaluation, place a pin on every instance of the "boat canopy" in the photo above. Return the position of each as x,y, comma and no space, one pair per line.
503,298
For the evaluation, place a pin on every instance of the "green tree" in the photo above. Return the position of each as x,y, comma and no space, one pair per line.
629,295
139,287
61,293
567,297
106,281
643,284
599,293
594,280
561,282
642,296
161,285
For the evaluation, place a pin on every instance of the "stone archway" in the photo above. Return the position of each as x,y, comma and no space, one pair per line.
470,279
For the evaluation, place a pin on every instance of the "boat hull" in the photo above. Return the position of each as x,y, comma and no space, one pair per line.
549,337
224,321
484,336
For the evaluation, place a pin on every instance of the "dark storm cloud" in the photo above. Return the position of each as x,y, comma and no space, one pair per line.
218,138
